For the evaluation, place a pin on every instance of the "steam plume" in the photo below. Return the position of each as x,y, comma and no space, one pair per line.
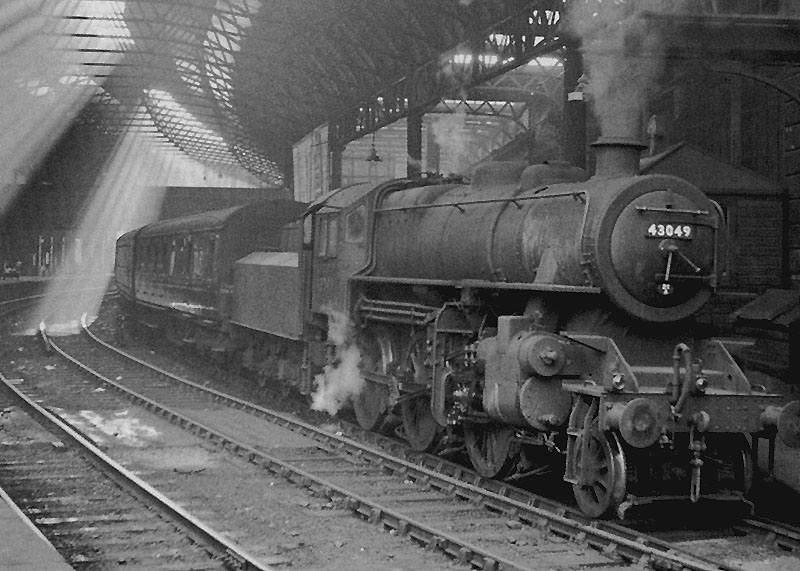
623,55
342,380
451,134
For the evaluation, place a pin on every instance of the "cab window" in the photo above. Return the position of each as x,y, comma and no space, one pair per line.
356,225
328,236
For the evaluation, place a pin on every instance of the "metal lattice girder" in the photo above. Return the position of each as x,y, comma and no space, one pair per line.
248,78
541,77
237,82
327,55
46,81
529,30
183,65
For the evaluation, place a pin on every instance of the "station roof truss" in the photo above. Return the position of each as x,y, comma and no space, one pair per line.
238,82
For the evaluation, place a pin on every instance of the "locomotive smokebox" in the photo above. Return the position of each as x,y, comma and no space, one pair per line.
617,156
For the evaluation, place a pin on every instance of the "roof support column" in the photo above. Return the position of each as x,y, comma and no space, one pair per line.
574,108
414,144
335,149
433,156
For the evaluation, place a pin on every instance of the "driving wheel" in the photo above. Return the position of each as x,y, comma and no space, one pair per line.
492,449
420,428
371,404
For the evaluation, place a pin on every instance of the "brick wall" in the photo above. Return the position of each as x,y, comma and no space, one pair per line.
791,161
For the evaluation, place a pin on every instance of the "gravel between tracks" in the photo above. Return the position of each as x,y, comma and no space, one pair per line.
278,522
281,524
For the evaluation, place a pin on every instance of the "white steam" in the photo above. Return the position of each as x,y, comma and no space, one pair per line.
412,162
341,380
452,135
623,55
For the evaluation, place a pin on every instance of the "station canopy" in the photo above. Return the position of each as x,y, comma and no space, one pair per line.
240,81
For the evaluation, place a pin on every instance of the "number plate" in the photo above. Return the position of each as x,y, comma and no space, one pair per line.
678,231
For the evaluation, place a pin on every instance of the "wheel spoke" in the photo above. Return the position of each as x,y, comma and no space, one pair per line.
371,404
420,427
603,472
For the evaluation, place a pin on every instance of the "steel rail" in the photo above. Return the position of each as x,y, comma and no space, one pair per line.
785,536
216,544
560,519
464,552
11,302
10,306
518,496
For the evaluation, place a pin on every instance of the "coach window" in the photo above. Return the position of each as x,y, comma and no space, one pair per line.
180,257
356,224
191,258
212,257
164,252
185,257
159,256
199,261
198,255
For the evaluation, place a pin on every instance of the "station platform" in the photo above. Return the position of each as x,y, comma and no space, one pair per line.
23,547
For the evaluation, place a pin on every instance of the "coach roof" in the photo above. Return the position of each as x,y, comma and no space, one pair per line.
254,213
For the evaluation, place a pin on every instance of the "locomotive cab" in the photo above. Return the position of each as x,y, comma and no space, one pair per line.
341,246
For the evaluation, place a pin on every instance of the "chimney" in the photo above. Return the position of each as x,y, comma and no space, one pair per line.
617,156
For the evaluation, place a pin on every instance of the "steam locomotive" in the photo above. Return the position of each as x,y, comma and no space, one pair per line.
535,317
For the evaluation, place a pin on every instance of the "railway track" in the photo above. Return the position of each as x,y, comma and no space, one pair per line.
784,538
484,524
10,307
96,513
